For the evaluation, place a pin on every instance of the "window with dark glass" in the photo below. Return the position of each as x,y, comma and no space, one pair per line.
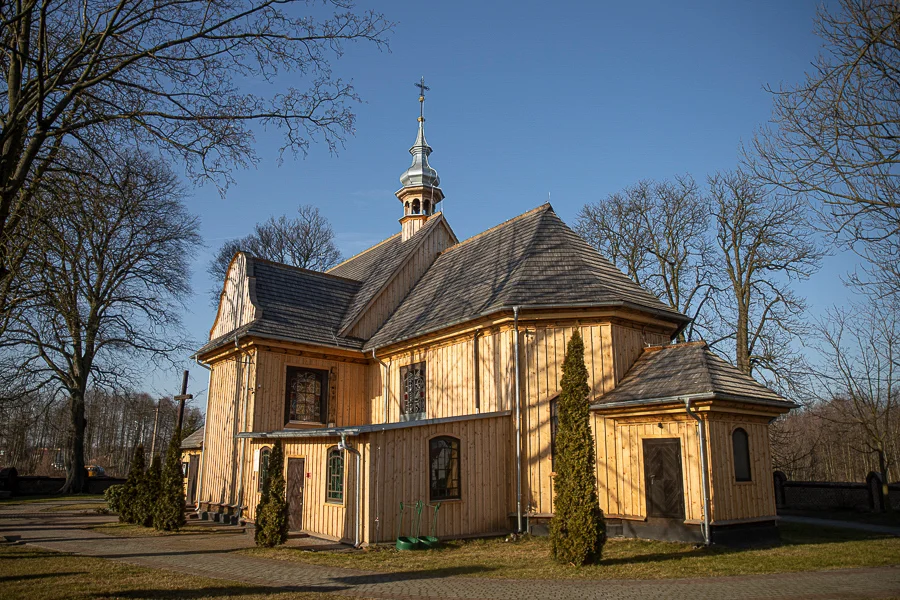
741,446
334,490
263,466
443,457
306,394
554,425
412,388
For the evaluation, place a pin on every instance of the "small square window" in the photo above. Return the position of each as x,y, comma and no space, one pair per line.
306,395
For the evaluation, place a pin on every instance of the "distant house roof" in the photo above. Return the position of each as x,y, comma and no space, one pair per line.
297,305
686,370
193,441
533,260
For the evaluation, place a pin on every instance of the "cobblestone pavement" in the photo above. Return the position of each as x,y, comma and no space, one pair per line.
211,556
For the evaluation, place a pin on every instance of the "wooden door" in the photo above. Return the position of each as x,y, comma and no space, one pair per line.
662,478
296,478
193,468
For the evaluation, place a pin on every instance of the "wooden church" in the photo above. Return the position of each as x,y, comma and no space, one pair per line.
427,369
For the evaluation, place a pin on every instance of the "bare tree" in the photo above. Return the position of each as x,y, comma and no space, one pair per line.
764,243
168,74
109,266
860,378
836,136
305,241
656,232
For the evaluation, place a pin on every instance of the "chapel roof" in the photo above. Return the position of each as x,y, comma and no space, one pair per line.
686,370
296,305
193,441
533,260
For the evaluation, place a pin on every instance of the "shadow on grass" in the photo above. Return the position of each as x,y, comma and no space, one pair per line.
370,578
11,578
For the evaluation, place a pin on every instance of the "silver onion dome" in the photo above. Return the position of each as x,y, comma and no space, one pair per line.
420,172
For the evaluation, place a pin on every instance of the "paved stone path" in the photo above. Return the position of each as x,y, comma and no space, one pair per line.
211,556
870,527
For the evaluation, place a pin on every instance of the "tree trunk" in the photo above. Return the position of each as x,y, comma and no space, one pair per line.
882,467
742,341
76,476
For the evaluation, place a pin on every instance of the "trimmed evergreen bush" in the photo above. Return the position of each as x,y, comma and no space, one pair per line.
272,510
113,496
147,494
128,509
577,530
168,514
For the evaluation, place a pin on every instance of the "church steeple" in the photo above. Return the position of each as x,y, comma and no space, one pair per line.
420,192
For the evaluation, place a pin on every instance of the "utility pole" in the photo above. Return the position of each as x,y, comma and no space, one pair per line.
155,426
181,398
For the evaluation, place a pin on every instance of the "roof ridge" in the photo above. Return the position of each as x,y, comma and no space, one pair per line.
542,207
275,263
366,251
706,366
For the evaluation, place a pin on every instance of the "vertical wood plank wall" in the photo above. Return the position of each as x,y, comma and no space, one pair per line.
620,463
235,305
229,381
398,471
730,499
351,404
330,520
450,377
393,294
543,352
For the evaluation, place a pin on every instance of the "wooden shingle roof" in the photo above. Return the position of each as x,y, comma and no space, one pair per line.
686,370
297,305
193,441
534,260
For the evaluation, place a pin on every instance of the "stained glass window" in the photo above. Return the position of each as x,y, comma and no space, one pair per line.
263,466
305,396
334,491
443,454
412,383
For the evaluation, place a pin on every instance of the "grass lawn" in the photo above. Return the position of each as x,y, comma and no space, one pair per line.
128,530
33,574
803,549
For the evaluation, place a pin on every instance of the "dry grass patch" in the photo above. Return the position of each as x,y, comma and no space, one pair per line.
34,574
803,549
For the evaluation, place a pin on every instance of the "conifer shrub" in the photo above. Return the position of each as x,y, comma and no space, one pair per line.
577,530
168,514
113,496
272,510
128,510
148,493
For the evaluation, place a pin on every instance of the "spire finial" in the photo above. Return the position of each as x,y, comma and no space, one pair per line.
422,89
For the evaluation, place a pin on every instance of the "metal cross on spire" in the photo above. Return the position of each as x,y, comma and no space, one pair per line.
422,89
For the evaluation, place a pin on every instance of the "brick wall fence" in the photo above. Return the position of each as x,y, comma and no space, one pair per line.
826,495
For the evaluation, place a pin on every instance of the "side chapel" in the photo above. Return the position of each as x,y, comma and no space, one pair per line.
427,368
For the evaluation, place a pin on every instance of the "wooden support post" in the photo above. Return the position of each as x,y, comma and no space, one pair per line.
155,427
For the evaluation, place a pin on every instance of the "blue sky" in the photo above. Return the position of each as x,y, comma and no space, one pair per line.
571,99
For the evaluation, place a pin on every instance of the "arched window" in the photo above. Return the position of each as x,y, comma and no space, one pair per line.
263,466
406,212
426,206
443,456
741,447
416,206
334,490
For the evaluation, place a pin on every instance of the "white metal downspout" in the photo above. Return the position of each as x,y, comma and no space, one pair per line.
345,446
203,445
384,384
701,429
518,424
240,494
